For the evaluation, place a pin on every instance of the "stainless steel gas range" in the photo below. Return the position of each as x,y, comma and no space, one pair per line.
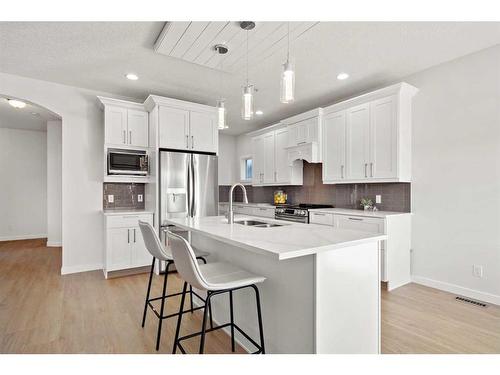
298,213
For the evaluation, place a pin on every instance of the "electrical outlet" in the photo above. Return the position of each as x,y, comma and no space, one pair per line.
139,197
111,198
378,199
477,271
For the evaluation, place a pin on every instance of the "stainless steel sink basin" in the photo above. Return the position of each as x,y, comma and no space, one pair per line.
258,224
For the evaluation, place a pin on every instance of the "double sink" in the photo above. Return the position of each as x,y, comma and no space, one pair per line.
257,224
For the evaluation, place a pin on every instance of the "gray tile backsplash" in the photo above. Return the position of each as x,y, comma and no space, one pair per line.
395,196
125,195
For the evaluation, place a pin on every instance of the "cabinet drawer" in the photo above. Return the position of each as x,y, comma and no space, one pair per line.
127,221
264,211
363,224
322,218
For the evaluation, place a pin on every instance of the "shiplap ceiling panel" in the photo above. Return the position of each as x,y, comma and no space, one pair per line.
195,41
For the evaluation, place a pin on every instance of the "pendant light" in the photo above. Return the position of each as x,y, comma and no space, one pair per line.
247,97
287,92
221,102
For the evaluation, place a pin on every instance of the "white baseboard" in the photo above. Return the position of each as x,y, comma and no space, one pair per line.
82,268
456,289
54,243
23,237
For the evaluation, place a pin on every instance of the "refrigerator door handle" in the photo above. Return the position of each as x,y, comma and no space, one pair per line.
189,188
193,181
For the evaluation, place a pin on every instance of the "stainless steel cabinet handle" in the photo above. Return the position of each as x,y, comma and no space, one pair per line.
355,218
124,136
128,235
301,143
130,137
341,171
366,166
371,169
318,214
275,176
187,141
134,235
192,141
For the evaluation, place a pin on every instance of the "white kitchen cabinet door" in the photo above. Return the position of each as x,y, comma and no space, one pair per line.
258,160
334,150
173,128
119,250
115,119
269,158
203,131
264,212
140,255
357,136
138,129
283,169
383,138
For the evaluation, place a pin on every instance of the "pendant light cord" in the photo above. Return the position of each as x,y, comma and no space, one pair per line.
247,57
288,52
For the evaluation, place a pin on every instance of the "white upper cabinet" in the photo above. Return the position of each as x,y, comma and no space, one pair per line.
184,125
334,146
203,131
125,123
138,132
173,126
368,138
383,138
357,142
270,160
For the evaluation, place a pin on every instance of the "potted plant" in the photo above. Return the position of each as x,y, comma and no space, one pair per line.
367,204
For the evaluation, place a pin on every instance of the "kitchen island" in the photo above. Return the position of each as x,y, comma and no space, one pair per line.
322,292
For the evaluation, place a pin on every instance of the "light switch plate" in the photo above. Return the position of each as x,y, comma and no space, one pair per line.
477,271
111,198
378,199
139,198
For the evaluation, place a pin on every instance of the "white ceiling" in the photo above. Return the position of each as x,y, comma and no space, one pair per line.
96,55
31,117
194,42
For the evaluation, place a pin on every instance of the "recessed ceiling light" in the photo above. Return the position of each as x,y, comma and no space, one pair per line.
16,103
259,112
132,76
342,76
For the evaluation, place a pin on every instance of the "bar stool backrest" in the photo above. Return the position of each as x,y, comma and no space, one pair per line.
185,262
152,242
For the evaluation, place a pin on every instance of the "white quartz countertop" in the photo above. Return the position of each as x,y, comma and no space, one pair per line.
353,212
291,240
126,211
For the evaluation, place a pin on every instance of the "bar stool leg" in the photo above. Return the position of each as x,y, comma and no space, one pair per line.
191,297
232,319
179,318
147,293
203,328
158,335
259,316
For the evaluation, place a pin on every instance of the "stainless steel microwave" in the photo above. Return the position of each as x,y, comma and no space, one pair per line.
128,162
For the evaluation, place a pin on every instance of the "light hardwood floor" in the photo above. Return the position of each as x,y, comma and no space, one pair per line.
44,312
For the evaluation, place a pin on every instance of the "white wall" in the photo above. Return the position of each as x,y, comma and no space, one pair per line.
54,183
227,156
23,184
456,175
82,153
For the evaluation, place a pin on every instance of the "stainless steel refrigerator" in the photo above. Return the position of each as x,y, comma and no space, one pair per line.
188,185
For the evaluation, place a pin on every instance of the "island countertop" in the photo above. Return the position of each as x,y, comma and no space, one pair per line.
290,240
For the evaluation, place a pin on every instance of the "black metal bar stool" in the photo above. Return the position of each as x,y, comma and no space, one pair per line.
214,279
160,253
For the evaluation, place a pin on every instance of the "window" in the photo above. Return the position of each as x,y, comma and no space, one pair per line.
246,168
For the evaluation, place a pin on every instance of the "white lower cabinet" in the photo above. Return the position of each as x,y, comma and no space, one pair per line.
250,210
394,252
124,245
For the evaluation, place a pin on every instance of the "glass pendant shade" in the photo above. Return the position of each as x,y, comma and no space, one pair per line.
221,114
287,83
247,103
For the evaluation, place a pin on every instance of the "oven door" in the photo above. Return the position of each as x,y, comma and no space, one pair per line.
289,217
123,162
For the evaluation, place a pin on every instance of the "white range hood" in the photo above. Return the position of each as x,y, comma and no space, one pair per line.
308,151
